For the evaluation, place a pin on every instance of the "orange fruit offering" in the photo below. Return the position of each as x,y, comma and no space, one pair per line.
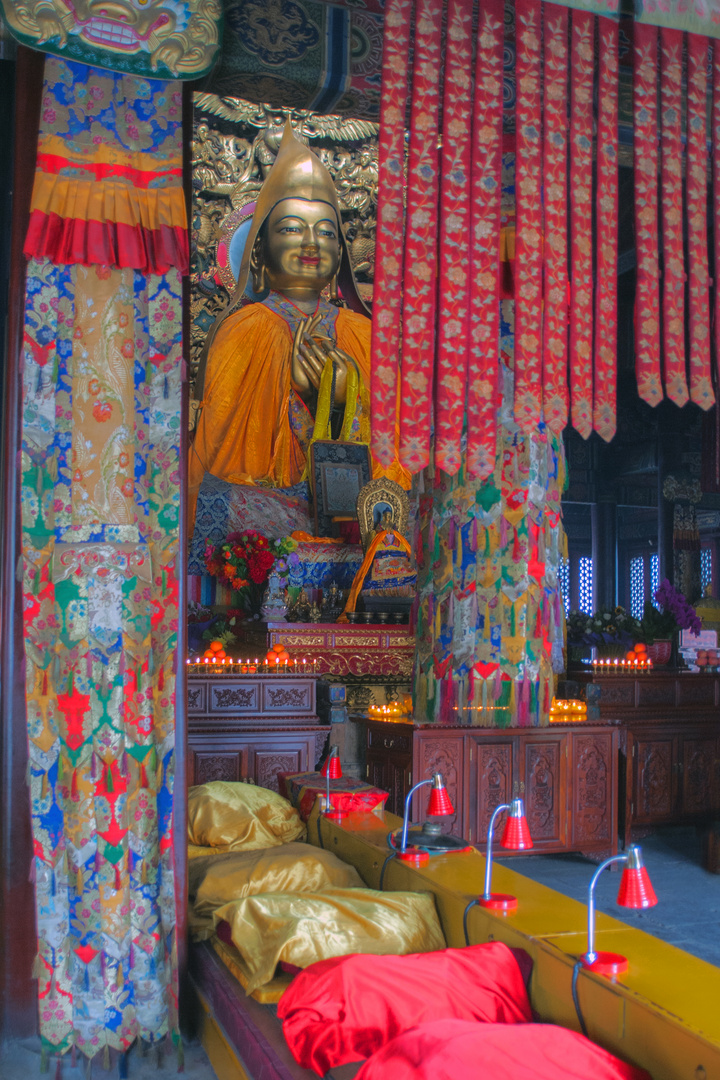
209,654
640,647
220,654
631,655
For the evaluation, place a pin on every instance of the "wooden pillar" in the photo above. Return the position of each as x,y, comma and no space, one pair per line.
18,1002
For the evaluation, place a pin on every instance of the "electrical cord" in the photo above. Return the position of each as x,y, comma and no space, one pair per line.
465,919
320,839
382,872
576,999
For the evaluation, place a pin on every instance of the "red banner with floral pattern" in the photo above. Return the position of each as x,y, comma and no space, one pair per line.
555,153
420,280
701,390
671,62
528,250
645,140
716,192
484,329
390,232
451,371
604,398
581,224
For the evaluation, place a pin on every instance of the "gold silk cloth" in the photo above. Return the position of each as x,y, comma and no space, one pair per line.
216,880
302,929
234,816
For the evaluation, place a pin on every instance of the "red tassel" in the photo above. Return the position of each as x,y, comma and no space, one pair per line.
45,684
161,678
516,547
118,879
143,776
538,621
546,698
74,792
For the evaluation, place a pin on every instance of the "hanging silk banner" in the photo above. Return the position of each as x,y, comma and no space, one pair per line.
420,279
701,390
555,323
581,223
604,398
647,299
390,232
528,250
454,238
671,57
716,192
484,330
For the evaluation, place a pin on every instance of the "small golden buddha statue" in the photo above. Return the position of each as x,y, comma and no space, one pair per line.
290,368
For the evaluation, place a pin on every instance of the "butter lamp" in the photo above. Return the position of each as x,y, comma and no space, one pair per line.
331,770
439,805
635,891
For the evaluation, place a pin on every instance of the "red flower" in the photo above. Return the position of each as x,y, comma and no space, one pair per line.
102,411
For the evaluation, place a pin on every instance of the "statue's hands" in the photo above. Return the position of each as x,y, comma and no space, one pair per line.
309,358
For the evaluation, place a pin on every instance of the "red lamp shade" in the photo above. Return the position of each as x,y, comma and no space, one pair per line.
439,804
636,890
332,766
516,835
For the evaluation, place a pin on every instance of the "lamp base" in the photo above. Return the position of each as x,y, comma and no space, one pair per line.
334,815
414,855
498,902
606,963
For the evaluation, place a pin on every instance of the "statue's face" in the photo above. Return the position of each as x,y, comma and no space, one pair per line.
302,245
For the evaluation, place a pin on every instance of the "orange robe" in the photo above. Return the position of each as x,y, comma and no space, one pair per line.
244,434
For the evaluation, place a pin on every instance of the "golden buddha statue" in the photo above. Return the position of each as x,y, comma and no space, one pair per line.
291,368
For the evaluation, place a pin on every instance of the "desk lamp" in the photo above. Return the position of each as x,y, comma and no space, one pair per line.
516,837
331,770
635,891
439,805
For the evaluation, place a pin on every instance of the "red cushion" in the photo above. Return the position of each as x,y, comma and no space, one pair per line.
458,1050
344,1009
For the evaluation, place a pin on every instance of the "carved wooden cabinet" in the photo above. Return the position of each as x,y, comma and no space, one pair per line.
567,775
669,747
252,727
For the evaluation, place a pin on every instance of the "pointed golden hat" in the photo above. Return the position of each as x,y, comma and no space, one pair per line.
297,173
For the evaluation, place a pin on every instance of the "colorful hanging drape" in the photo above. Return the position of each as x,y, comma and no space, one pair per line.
108,183
671,60
701,390
100,507
451,372
606,210
386,335
483,336
555,154
420,279
528,243
656,349
581,141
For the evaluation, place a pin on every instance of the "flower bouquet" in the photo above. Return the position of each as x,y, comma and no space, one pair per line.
670,612
243,563
612,630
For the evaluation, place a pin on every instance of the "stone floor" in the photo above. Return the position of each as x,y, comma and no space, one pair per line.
687,915
688,909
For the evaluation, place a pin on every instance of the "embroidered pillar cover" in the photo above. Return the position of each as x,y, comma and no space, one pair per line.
100,500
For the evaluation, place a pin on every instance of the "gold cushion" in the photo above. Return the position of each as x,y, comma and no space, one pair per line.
235,816
296,868
302,929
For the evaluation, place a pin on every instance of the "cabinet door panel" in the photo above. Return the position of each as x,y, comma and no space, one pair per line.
209,764
376,774
592,775
697,795
442,754
491,776
543,773
654,784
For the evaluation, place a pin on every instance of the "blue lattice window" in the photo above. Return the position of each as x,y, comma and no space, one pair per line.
654,577
585,584
637,586
706,567
564,583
